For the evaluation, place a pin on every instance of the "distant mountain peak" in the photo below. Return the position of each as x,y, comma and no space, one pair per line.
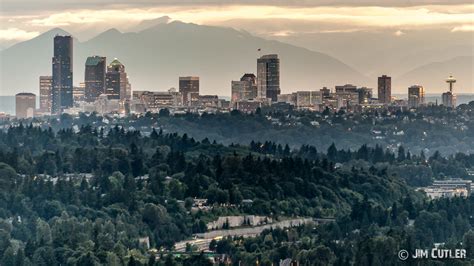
150,23
112,31
54,32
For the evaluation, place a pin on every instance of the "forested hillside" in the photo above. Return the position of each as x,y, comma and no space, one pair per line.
86,196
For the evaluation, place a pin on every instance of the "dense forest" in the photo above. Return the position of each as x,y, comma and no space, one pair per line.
428,129
86,195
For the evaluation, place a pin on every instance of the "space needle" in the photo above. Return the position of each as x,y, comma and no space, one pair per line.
449,99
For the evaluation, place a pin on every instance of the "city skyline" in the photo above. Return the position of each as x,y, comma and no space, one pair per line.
400,40
107,90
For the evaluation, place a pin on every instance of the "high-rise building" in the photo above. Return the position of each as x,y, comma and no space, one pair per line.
449,98
249,86
78,92
237,90
365,94
245,88
25,105
268,77
384,86
45,91
94,77
116,81
189,89
416,96
62,74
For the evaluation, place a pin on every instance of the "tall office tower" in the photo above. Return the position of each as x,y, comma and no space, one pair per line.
116,82
385,89
25,105
449,99
189,88
94,77
268,77
45,90
416,96
62,74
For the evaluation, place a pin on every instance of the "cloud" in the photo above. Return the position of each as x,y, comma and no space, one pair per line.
463,28
14,34
370,16
399,33
297,17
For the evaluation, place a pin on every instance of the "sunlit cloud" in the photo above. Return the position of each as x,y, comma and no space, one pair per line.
14,34
361,16
399,33
284,33
463,28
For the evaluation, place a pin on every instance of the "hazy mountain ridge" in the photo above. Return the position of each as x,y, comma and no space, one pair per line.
157,56
462,67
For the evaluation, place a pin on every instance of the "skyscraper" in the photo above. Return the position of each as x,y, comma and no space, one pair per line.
268,77
189,88
416,96
62,74
94,77
385,89
116,80
25,105
45,90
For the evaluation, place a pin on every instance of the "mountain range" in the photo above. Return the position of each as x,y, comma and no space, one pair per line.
155,57
156,53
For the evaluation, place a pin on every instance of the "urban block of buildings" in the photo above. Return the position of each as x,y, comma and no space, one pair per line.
449,188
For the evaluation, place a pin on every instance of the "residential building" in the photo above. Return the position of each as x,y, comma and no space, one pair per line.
45,91
384,86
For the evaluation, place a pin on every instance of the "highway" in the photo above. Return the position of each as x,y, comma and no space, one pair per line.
202,241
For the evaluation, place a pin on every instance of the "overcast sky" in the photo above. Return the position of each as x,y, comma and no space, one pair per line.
24,19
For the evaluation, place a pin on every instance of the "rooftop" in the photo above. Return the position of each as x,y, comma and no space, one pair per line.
94,60
25,94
